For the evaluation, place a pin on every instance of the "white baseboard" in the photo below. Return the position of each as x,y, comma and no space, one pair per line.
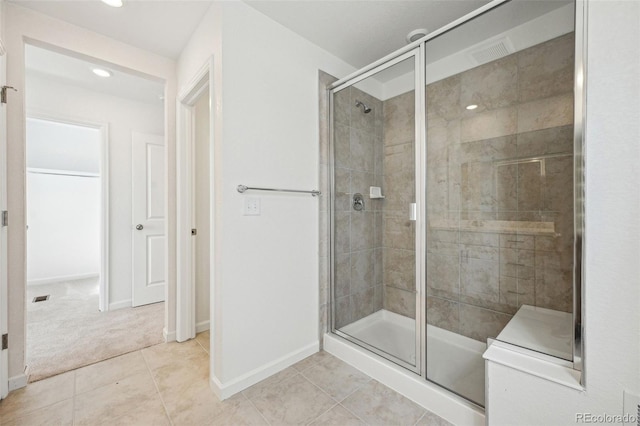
202,326
169,336
51,280
121,304
17,382
445,404
226,390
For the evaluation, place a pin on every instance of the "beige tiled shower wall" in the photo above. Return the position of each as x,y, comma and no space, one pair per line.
358,165
398,235
510,160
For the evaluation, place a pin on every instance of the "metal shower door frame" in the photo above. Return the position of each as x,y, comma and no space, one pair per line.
417,53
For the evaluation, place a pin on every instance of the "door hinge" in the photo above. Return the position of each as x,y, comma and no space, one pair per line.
194,231
5,341
3,93
4,220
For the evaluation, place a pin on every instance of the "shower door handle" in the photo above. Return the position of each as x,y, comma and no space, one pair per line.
413,212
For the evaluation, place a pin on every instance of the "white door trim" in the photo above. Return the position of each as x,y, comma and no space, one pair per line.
185,148
4,293
103,303
84,44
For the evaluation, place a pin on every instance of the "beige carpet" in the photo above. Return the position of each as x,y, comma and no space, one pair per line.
68,331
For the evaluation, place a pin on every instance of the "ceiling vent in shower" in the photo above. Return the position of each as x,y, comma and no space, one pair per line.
487,52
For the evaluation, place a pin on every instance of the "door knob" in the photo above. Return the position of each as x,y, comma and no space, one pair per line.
139,227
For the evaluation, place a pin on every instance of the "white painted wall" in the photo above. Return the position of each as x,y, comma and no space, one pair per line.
23,24
62,146
63,214
202,212
612,275
265,292
63,210
123,116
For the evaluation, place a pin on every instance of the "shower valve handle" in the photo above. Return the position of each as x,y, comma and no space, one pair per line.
358,202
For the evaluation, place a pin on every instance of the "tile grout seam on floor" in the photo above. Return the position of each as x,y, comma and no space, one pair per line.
334,399
155,384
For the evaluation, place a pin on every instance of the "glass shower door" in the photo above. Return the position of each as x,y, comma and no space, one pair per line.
373,211
500,219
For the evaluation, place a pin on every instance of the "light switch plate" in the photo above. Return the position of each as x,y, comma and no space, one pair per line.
252,206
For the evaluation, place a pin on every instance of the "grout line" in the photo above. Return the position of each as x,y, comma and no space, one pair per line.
357,389
321,390
25,411
300,373
312,364
421,417
297,373
354,391
256,408
352,413
323,413
155,384
205,349
91,389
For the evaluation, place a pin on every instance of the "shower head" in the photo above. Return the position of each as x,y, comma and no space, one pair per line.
365,108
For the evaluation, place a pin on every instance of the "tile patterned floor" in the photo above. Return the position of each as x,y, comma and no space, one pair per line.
167,384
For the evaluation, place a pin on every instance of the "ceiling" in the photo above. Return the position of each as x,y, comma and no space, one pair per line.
162,27
357,31
363,31
66,69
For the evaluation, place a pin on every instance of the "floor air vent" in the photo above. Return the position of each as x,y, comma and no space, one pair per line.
40,298
488,52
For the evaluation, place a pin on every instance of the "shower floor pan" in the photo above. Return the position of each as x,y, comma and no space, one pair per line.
388,332
453,361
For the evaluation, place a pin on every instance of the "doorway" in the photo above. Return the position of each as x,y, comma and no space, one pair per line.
66,240
196,215
104,307
202,210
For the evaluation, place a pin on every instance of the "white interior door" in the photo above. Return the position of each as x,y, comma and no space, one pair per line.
148,172
4,306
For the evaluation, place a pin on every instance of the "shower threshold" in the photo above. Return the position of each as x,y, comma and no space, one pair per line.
453,361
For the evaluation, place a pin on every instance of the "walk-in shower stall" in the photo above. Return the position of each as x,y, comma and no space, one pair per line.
455,200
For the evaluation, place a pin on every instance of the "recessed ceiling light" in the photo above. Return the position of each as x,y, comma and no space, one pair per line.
101,72
472,106
113,3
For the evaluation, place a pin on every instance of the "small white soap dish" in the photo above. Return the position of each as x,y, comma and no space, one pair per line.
375,192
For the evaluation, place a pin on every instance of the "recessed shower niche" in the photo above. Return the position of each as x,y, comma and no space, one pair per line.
469,138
